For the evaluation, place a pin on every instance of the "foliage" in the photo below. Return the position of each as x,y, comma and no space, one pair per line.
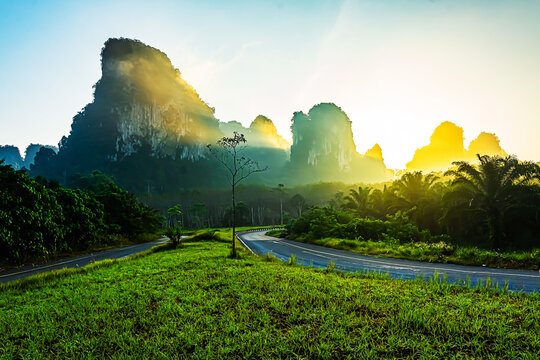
124,213
40,219
243,215
494,194
174,234
357,202
298,203
327,222
279,233
196,303
493,204
175,215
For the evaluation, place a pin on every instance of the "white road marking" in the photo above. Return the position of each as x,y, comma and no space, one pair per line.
409,267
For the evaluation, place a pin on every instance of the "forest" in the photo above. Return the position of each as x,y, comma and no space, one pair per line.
40,220
493,205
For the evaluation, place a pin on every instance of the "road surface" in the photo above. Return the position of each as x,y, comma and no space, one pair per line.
78,261
319,257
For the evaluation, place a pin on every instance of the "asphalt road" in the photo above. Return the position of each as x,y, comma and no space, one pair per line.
318,256
78,261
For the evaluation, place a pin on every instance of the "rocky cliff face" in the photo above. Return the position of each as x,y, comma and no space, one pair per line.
149,128
323,135
446,146
323,149
142,100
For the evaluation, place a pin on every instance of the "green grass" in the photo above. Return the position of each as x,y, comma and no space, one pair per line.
279,233
195,302
440,252
221,234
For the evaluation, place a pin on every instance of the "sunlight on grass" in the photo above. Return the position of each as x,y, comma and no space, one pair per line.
196,302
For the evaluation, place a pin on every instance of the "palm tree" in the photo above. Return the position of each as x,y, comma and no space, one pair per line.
380,202
413,187
490,191
419,195
358,201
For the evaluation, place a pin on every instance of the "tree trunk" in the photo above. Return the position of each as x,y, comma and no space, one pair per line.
233,224
280,210
495,231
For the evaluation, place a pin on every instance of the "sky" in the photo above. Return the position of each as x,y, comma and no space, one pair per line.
397,68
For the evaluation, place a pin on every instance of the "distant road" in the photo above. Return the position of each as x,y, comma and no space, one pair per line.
319,257
78,261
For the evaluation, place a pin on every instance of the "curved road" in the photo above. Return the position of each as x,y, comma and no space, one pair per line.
78,261
319,257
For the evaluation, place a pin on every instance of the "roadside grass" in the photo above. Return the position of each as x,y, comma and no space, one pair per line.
440,252
195,302
279,233
46,277
221,234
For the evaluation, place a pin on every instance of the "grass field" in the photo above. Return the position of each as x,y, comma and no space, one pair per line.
440,252
195,302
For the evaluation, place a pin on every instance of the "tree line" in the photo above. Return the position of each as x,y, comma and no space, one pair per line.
494,204
40,219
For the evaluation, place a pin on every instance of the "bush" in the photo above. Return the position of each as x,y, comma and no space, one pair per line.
174,234
326,222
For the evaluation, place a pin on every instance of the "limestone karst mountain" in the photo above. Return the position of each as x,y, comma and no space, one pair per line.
143,112
12,156
446,145
323,148
149,128
322,137
375,152
143,99
261,133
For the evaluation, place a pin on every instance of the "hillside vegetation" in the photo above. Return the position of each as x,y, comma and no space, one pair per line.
195,302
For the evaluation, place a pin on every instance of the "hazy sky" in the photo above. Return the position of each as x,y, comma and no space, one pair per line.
397,68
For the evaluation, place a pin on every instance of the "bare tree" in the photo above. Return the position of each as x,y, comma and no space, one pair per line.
238,167
298,202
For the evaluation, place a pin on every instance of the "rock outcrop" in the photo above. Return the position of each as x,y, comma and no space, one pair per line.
446,146
11,156
322,137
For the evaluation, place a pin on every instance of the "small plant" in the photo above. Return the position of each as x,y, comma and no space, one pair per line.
331,267
292,260
270,257
174,234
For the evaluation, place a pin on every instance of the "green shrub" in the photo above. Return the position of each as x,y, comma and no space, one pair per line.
326,222
174,234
